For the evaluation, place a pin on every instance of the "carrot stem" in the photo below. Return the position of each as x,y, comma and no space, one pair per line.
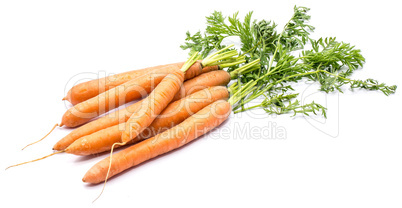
242,92
217,57
190,62
230,63
245,68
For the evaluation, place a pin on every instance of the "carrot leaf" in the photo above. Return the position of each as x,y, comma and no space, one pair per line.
275,60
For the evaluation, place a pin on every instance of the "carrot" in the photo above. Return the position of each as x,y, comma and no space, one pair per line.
180,110
106,121
129,91
203,81
213,78
159,98
207,69
191,128
173,114
90,89
134,89
86,90
153,105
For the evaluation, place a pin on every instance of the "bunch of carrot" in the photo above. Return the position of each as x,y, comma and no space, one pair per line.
176,103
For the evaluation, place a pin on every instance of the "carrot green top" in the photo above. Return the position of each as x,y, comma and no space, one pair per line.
190,62
277,59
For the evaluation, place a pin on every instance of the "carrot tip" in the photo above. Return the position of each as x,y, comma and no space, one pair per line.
64,98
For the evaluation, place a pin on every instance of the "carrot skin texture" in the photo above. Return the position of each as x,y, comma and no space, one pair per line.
180,110
173,114
92,88
153,105
210,68
195,126
209,79
106,121
114,118
91,108
97,142
129,91
86,90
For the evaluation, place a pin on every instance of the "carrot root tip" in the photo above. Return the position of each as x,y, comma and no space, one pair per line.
108,171
42,137
35,159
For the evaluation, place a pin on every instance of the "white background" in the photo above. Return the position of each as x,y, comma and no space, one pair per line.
352,159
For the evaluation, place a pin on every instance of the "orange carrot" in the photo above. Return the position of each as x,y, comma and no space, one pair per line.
180,110
86,90
106,121
90,89
195,126
159,98
129,91
203,81
173,114
207,69
213,78
136,88
153,105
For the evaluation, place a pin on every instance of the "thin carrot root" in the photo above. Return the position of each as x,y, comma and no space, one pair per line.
42,137
108,170
54,153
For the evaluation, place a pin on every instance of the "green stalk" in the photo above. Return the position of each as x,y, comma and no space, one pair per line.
249,108
244,68
217,57
278,42
242,92
233,87
190,62
216,60
225,64
252,97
